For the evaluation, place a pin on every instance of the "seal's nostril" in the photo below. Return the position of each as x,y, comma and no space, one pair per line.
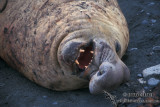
99,73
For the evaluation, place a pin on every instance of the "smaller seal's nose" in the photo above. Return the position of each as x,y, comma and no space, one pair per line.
109,76
104,69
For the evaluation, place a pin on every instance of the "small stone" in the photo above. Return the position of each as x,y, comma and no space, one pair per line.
55,103
148,13
144,22
44,96
132,49
153,20
156,48
151,70
141,81
146,88
151,4
142,11
153,81
157,36
150,54
139,75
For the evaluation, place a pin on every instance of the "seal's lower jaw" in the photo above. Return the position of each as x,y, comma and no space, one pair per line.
108,77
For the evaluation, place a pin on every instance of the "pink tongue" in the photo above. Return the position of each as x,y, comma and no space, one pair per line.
85,57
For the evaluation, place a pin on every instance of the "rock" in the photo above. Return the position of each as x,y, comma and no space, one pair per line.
157,36
151,70
132,49
55,103
141,81
144,22
156,48
139,75
44,96
151,4
146,88
153,81
148,13
153,20
150,54
142,11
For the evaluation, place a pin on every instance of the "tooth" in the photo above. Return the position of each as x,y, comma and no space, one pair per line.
86,66
91,52
81,50
77,62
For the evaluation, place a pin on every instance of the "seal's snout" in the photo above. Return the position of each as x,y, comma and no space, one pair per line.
111,72
104,69
108,77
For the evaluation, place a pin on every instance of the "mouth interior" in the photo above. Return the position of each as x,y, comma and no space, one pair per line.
85,57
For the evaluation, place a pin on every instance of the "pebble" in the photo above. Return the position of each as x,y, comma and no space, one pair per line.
150,54
44,96
157,36
141,81
151,4
153,20
144,22
55,103
139,75
142,11
132,49
148,13
153,81
151,70
146,88
156,48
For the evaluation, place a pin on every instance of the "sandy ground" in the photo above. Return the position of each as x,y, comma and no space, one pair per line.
143,17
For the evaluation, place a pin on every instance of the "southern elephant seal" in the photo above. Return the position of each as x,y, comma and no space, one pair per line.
66,44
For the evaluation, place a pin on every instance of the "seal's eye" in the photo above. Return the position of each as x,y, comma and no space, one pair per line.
117,46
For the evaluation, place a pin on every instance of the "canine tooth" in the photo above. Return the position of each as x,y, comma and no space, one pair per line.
91,52
86,66
77,62
81,50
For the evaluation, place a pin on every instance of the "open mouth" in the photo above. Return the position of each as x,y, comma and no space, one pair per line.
85,57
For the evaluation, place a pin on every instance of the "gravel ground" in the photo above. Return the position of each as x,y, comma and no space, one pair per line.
143,17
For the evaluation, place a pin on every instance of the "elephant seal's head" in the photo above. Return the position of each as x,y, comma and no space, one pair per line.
94,39
95,59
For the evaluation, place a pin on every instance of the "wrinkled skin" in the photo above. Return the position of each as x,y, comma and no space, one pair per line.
66,44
